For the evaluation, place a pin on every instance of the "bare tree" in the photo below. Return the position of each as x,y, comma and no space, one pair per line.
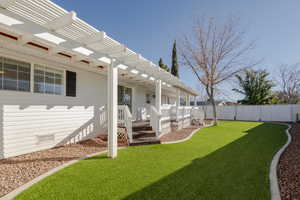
215,53
203,99
289,83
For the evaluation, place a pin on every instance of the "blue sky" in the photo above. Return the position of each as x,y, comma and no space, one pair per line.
149,27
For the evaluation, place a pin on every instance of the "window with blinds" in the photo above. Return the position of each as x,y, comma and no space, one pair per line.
48,80
14,75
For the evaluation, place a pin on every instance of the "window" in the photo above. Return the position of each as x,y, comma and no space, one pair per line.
14,75
182,101
71,84
125,96
48,80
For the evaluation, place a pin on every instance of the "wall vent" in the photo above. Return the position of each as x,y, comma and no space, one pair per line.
45,139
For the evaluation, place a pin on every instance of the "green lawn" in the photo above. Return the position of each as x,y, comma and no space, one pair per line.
230,161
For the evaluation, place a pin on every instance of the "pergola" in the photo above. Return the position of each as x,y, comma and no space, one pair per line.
45,25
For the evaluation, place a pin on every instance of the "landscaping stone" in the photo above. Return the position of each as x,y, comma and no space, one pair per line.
289,167
16,171
19,170
178,134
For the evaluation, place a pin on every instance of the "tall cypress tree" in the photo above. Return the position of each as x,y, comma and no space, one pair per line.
174,69
162,65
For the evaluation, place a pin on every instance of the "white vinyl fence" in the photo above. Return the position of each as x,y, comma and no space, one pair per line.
279,113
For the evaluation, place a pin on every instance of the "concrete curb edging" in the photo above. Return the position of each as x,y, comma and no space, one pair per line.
185,139
27,185
20,189
274,186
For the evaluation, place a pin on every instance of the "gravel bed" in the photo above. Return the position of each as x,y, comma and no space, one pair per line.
178,134
289,167
19,170
16,171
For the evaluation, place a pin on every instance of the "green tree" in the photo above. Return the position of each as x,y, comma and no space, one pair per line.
162,65
175,67
256,87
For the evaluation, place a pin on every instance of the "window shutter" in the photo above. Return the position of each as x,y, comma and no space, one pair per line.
71,84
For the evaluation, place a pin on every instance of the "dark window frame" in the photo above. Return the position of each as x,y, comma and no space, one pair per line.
71,84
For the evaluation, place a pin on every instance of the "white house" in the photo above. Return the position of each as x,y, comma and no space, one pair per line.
61,81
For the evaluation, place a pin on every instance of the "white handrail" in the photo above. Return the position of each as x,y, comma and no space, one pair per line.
155,120
125,118
166,113
197,114
181,112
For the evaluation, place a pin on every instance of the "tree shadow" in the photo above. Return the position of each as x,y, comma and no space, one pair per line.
94,126
238,170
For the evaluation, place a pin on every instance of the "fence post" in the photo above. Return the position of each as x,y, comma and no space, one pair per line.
260,113
292,113
235,112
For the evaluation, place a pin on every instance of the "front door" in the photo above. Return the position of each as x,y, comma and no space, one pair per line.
125,96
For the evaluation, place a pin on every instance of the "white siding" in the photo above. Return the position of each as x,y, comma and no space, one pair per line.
139,102
32,122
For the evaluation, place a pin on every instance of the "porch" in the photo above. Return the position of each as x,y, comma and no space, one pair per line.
155,125
91,66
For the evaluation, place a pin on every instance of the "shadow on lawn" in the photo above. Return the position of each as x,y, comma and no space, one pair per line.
238,170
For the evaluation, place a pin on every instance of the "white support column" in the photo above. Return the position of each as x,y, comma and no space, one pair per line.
158,95
158,104
32,78
195,101
188,103
178,98
112,109
177,104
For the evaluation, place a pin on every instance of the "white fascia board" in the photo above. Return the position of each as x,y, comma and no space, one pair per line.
54,51
5,3
77,58
62,21
24,39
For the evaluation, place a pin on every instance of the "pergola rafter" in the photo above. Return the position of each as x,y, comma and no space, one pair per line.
6,3
62,21
91,39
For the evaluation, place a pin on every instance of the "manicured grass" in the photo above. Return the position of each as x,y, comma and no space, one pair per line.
230,161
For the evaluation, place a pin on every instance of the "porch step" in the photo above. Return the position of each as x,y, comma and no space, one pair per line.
143,134
138,126
145,141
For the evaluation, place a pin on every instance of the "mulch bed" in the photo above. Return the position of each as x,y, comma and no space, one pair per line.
178,134
289,168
